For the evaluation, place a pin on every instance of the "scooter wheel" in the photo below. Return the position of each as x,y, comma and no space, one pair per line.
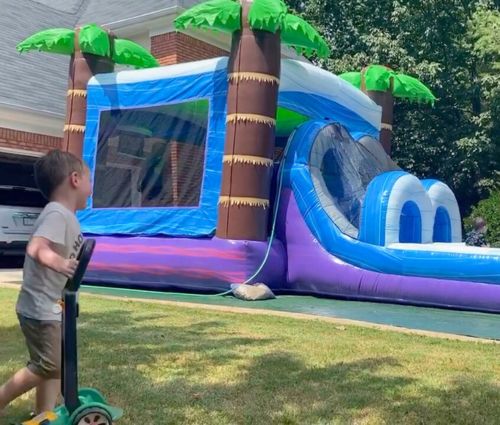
93,416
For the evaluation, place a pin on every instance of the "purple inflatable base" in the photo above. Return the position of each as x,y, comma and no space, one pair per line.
198,265
312,270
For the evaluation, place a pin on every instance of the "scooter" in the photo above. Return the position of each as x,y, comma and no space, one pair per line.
84,406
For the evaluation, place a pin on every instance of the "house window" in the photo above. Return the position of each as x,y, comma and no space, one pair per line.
151,157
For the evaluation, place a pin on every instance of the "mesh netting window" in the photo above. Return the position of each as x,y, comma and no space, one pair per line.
341,170
151,157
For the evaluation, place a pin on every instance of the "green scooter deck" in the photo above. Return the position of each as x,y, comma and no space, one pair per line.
89,398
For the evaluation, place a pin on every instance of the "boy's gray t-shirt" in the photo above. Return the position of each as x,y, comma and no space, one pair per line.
42,287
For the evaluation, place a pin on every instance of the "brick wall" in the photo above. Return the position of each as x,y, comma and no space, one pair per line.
172,48
28,141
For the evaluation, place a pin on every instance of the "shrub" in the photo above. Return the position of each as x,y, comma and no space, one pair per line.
489,209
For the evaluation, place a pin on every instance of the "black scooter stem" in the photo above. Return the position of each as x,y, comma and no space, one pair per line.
69,346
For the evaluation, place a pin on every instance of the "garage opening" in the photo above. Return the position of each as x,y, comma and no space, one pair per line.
17,182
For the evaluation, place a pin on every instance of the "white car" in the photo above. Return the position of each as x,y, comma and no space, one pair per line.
19,209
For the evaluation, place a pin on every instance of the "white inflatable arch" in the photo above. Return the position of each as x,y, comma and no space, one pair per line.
445,211
406,194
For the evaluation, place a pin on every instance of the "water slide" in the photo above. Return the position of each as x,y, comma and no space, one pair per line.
358,227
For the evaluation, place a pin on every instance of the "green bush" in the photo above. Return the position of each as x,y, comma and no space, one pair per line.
489,209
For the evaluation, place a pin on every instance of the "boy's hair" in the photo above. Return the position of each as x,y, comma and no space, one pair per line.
479,223
53,168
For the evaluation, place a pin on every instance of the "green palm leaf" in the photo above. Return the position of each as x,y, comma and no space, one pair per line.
221,15
94,39
126,52
54,40
267,15
303,36
410,88
378,77
353,78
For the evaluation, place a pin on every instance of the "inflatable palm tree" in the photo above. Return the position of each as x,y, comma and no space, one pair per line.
382,85
258,28
93,50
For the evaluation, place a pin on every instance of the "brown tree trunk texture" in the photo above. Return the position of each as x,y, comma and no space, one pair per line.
253,72
386,101
81,69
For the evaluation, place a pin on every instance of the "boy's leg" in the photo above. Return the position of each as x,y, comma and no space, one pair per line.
48,390
43,339
46,395
22,381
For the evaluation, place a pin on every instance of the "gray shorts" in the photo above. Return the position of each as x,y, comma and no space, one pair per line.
43,339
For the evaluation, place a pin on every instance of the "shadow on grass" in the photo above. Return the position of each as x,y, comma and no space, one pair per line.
206,372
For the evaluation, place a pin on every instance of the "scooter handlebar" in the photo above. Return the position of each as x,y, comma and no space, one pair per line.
73,284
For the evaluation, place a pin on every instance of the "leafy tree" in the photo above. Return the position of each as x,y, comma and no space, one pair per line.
452,47
484,33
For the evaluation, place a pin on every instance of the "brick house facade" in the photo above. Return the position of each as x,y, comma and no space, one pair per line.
23,140
172,48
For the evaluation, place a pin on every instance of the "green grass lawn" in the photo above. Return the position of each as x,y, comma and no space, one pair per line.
174,365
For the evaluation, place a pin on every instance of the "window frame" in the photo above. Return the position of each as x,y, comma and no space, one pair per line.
188,221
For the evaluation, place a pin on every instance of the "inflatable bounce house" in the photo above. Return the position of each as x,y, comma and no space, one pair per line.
254,168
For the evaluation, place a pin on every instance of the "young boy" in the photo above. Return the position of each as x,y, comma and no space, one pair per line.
50,259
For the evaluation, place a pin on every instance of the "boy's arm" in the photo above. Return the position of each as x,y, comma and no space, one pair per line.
42,251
